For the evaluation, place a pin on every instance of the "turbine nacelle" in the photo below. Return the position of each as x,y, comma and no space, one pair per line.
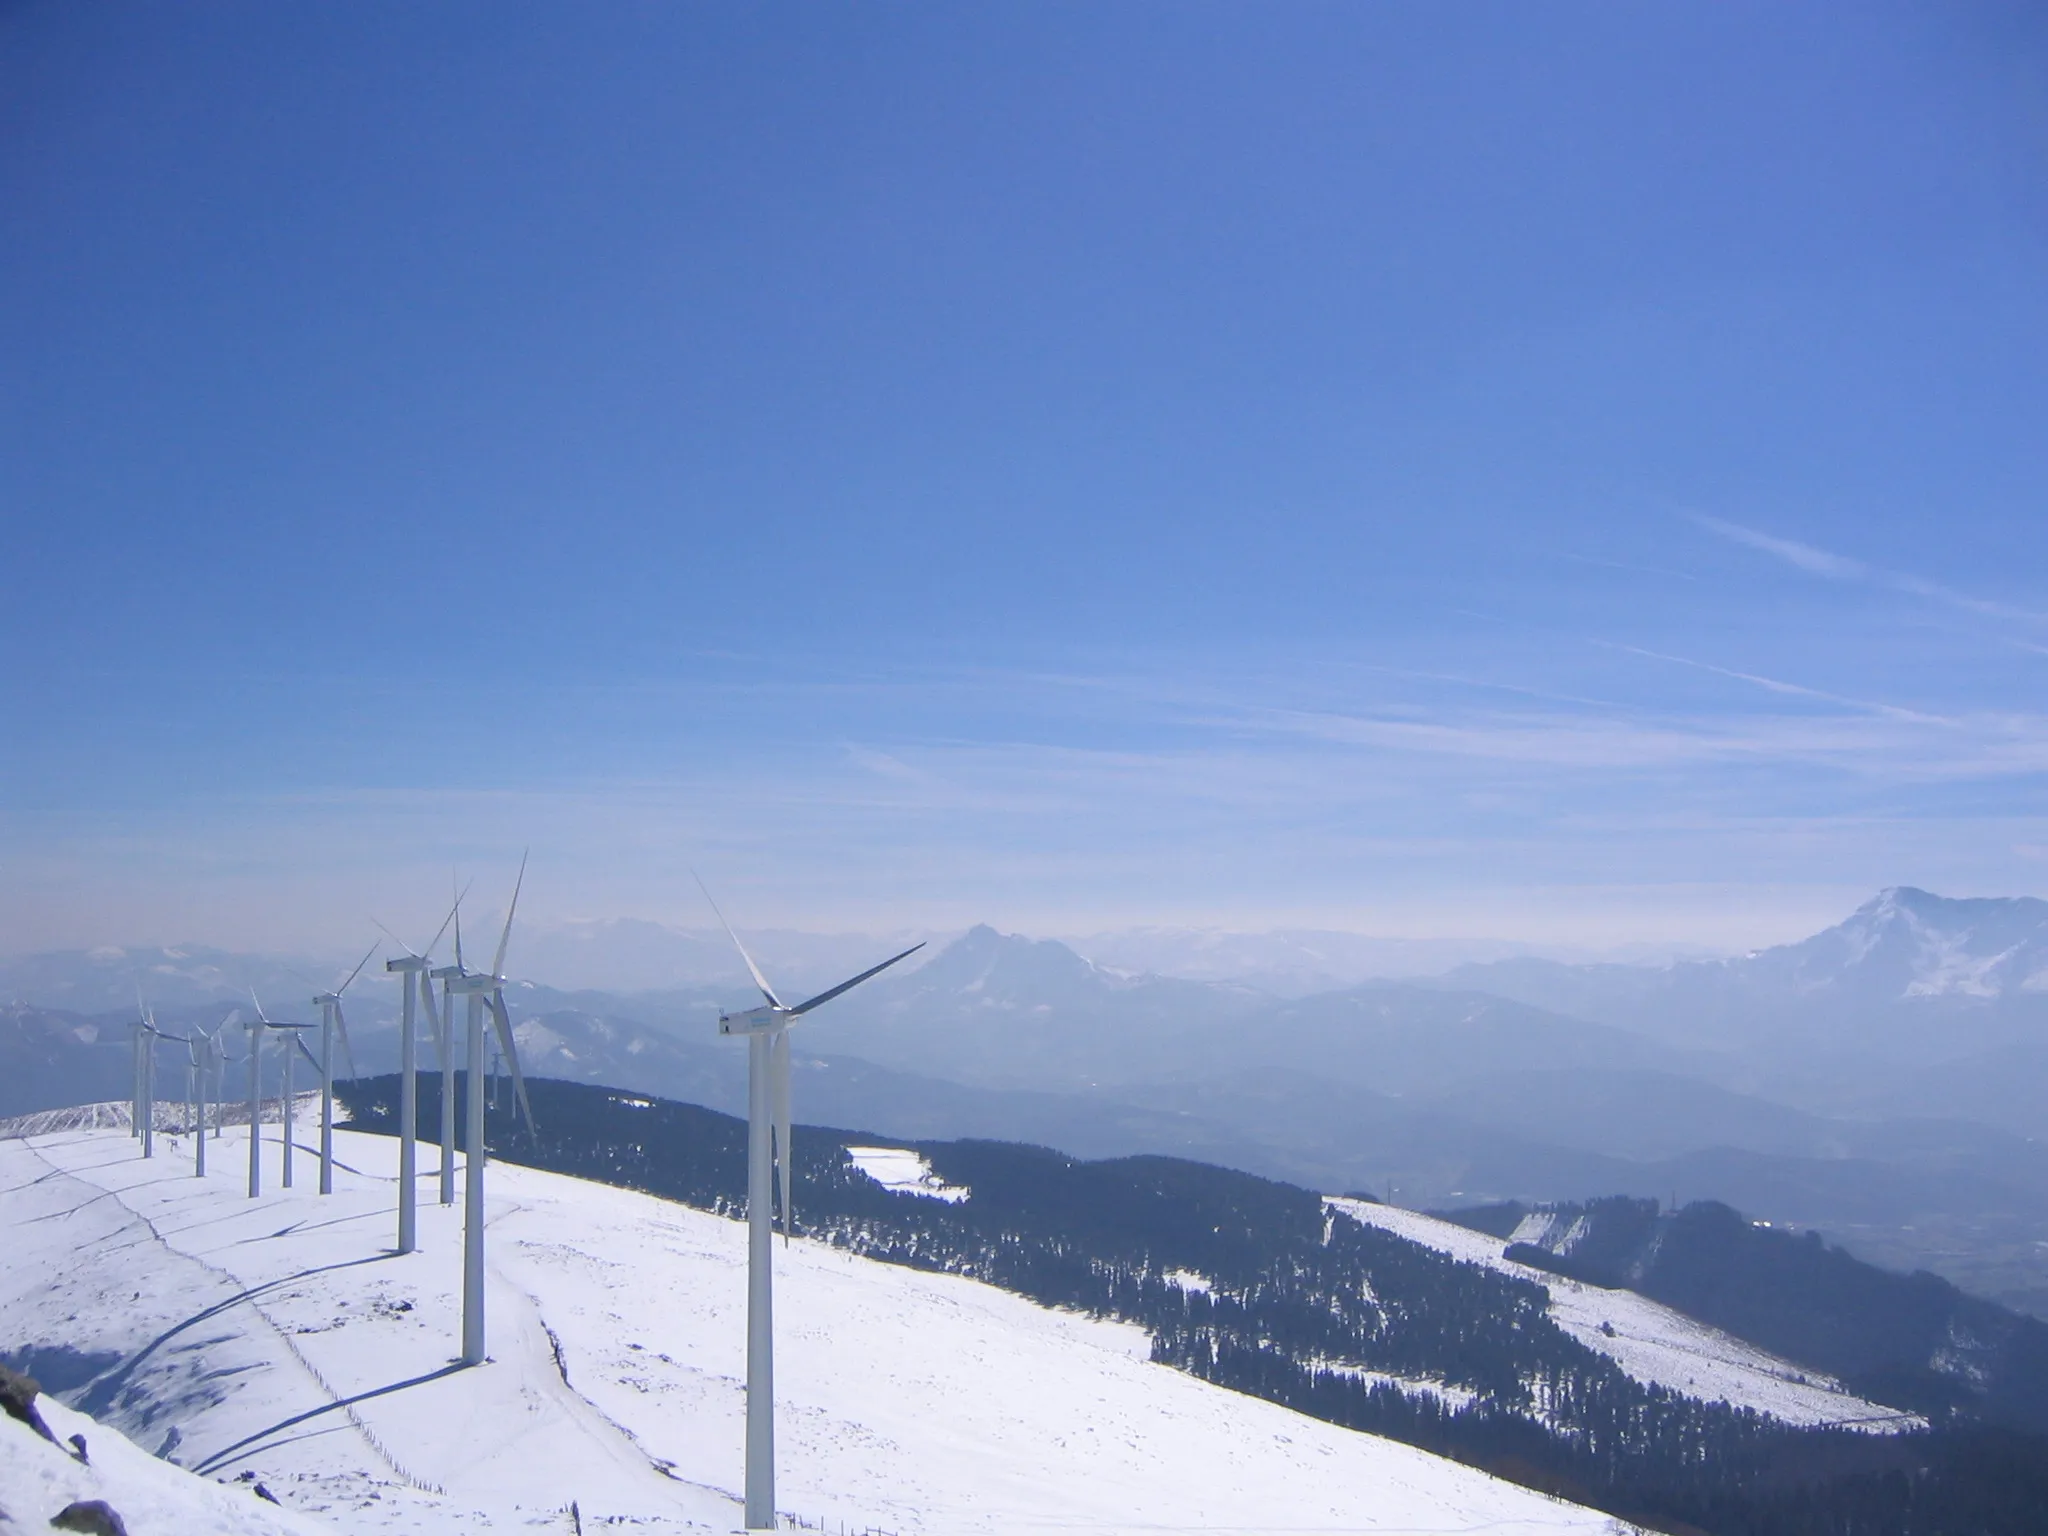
756,1021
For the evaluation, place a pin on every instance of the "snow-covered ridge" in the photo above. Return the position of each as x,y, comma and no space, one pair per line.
1650,1341
282,1336
167,1117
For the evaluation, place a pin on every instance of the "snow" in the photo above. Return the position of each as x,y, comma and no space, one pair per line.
38,1478
904,1171
282,1336
1651,1342
1414,1386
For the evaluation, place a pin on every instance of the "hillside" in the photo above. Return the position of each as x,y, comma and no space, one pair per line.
1277,1292
279,1336
1911,1339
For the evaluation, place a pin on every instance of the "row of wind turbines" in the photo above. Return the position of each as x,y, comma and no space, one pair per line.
485,996
770,1165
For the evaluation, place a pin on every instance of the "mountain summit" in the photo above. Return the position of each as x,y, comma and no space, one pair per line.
1905,942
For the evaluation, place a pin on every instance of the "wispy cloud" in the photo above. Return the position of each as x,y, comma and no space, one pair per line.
1778,686
1897,748
1818,562
1630,565
1821,562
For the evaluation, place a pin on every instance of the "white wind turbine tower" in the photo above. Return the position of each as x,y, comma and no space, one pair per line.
137,1122
331,1020
146,1037
150,1036
444,1030
768,1162
207,1056
256,1028
483,992
416,971
135,1068
191,1044
141,1100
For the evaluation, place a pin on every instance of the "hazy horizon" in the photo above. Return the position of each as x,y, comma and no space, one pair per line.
627,954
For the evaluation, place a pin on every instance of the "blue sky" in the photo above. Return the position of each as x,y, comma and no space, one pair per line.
1565,472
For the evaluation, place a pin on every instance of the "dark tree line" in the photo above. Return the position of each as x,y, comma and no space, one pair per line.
1299,1301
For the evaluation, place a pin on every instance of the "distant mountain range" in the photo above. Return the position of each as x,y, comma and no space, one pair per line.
1885,1081
1904,947
1916,1005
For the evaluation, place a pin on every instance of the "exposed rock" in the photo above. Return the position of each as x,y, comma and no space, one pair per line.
18,1398
95,1517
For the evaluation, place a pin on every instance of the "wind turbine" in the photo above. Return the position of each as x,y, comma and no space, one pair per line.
146,1037
141,1115
444,1028
256,1028
135,1070
191,1082
416,971
220,1071
189,1042
329,1004
768,1162
207,1056
141,1105
483,992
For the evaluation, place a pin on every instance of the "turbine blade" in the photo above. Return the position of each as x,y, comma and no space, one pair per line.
498,965
436,939
510,1050
259,1006
341,1028
300,1041
778,1102
848,986
394,938
433,1022
352,975
759,980
456,914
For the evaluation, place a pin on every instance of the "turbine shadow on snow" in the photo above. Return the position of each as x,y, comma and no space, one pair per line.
105,1389
250,1442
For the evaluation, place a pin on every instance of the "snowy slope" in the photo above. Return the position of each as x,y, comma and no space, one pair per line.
39,1478
282,1336
1650,1341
